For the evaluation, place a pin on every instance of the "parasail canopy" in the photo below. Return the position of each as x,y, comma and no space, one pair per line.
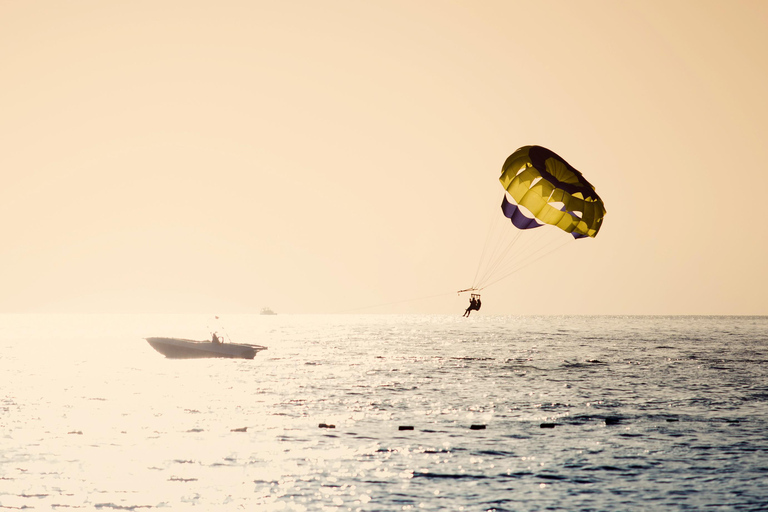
553,191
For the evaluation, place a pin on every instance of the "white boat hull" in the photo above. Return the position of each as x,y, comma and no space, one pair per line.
177,348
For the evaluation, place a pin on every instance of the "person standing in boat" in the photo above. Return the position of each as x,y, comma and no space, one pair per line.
215,339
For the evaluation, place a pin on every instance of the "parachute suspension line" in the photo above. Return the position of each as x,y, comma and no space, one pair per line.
526,263
503,262
488,238
502,249
515,252
530,253
521,254
507,238
495,247
498,260
395,302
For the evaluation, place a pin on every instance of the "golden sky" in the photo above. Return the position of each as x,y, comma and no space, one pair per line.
322,156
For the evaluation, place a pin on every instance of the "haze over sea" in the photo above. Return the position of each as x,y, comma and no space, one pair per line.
649,413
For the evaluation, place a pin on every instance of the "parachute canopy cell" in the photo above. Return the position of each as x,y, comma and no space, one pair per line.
552,191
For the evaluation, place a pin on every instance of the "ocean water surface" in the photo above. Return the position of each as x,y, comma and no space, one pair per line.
502,413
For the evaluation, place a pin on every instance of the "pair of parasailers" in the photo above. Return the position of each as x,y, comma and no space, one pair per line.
474,304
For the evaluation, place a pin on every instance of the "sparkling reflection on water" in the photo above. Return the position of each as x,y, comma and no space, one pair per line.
642,413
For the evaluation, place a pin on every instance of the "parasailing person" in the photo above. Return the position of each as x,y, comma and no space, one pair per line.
474,304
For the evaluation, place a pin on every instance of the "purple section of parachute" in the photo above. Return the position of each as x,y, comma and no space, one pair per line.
573,233
512,212
518,218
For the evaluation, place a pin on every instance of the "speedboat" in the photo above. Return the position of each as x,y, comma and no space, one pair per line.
177,348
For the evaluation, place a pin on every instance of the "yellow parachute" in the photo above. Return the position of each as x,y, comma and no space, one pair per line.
552,191
543,189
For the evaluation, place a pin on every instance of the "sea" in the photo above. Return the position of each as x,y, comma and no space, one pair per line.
386,413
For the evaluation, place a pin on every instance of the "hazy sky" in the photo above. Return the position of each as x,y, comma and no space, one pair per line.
322,156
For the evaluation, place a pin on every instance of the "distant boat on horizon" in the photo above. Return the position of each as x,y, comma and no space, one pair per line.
267,311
